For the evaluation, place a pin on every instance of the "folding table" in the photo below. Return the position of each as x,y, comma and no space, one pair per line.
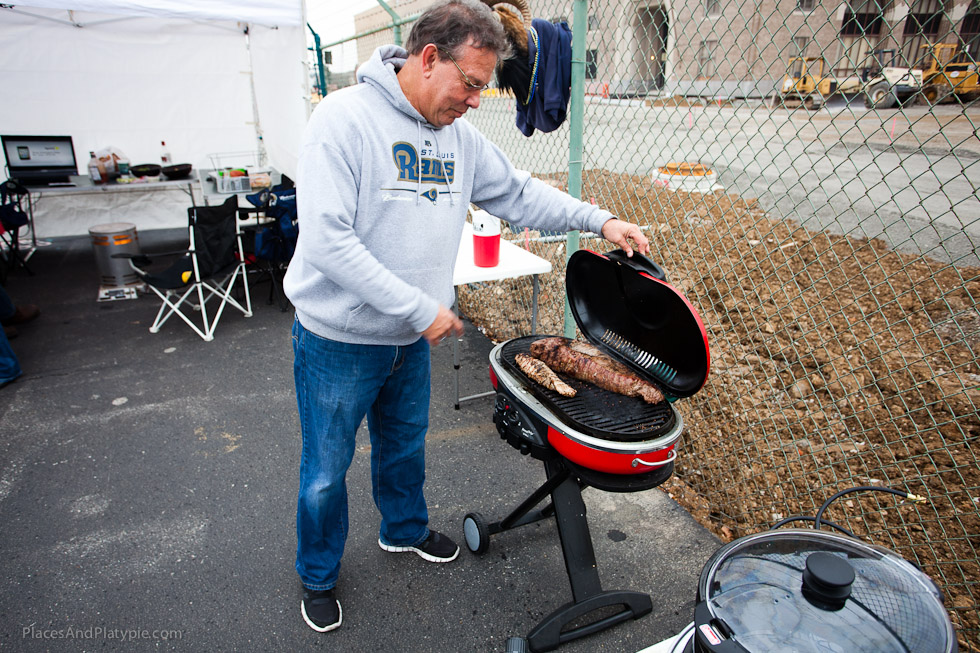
514,262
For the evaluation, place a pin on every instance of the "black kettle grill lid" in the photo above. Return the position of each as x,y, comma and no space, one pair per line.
806,591
625,306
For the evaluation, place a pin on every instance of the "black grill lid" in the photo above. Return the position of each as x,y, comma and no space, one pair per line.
625,306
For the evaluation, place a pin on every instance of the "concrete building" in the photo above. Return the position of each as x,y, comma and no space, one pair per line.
727,48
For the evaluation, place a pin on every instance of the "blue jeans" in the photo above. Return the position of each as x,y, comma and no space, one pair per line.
9,366
337,384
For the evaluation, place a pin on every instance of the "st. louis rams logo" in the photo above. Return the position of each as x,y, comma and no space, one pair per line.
432,194
408,163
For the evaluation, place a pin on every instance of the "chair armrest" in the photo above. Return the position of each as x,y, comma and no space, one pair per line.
247,213
145,259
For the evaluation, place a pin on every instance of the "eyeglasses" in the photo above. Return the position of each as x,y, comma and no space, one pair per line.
466,80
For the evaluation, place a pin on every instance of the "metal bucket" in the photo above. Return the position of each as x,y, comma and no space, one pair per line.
115,238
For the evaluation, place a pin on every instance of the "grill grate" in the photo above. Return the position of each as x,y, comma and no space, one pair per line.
592,410
660,370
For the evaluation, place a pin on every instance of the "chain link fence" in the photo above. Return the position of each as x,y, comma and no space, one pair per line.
807,172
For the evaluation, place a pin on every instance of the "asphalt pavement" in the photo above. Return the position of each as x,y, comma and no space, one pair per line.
148,483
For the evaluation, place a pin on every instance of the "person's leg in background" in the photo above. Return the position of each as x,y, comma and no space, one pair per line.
9,366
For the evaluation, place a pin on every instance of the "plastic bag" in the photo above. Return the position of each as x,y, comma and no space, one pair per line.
110,158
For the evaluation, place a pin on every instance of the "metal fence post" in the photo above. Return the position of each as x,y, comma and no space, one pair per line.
576,121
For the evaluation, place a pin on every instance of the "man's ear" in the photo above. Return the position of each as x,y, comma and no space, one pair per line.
430,55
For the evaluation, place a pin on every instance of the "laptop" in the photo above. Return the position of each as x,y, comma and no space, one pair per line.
40,160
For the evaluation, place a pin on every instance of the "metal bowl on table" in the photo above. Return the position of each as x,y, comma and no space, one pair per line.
145,170
178,171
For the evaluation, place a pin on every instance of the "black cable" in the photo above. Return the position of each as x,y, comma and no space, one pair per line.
783,522
905,494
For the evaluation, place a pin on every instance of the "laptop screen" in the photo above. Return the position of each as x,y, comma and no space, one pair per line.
39,160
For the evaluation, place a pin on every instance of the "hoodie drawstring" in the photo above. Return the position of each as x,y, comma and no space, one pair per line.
418,163
442,166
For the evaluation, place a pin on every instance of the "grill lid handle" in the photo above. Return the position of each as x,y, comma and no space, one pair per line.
639,263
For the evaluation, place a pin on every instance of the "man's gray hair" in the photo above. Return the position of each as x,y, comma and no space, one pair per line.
451,24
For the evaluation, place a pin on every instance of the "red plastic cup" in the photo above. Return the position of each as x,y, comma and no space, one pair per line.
486,250
486,240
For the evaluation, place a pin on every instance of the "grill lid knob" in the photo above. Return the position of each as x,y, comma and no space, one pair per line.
827,580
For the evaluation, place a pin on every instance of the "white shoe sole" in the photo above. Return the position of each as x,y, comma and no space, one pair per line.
327,629
422,554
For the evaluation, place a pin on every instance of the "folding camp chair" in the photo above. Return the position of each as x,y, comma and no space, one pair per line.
14,199
275,233
208,269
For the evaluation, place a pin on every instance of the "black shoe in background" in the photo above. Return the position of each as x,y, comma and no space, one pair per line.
435,548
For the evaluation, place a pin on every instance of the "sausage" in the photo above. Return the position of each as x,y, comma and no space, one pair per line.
540,373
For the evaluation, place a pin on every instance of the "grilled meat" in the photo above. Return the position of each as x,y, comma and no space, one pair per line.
596,354
543,375
576,359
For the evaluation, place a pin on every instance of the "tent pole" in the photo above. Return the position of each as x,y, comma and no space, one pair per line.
262,157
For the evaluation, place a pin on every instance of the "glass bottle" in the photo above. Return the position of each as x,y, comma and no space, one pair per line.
96,169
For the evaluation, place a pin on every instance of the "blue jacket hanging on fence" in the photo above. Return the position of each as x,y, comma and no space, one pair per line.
549,54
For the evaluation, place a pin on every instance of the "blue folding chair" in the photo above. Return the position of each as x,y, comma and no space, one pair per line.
275,236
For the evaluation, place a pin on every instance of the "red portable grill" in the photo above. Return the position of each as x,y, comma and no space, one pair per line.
625,307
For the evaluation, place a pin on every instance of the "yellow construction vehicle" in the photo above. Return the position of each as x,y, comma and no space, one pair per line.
882,84
950,74
805,83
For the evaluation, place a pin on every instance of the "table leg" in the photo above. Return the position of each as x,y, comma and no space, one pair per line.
456,352
30,219
534,304
456,366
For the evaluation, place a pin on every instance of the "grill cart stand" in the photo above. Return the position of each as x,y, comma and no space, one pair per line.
564,484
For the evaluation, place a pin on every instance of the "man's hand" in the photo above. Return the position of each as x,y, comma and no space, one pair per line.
620,233
445,324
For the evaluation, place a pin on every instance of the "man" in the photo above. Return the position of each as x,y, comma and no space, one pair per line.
386,174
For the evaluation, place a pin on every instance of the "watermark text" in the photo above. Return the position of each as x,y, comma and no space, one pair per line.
100,632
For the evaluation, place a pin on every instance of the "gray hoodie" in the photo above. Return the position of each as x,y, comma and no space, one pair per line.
382,198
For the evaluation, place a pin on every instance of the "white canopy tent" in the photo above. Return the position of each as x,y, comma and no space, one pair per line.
207,77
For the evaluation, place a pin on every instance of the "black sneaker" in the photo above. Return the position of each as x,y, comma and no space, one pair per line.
435,548
321,611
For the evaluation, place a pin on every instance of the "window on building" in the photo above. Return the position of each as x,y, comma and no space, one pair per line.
864,24
859,33
712,7
922,27
593,22
805,5
591,64
706,59
970,32
857,53
797,53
